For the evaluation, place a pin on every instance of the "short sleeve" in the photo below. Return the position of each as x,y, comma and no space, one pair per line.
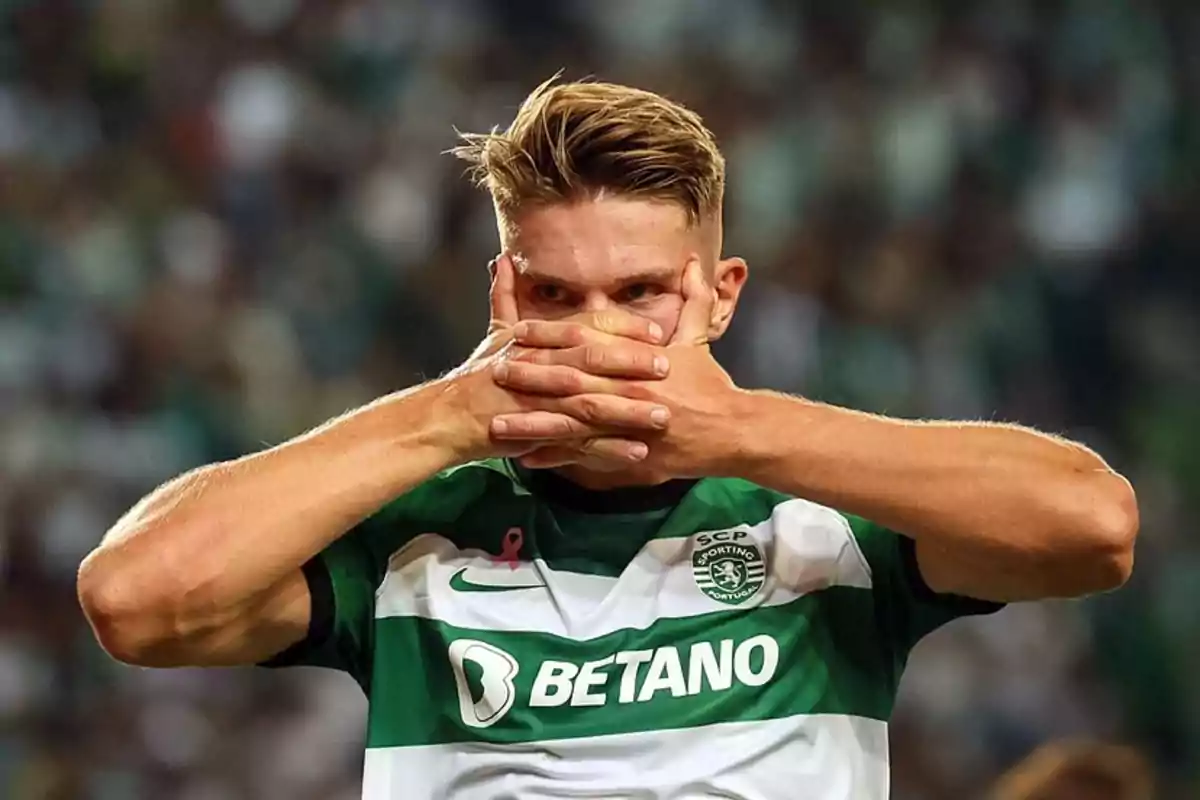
341,584
908,608
344,577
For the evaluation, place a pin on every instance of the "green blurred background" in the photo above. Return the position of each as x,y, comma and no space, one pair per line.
222,222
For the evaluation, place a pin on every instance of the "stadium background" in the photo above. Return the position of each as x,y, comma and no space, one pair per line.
222,222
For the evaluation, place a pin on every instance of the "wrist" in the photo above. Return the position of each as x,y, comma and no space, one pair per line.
728,434
452,422
761,432
385,443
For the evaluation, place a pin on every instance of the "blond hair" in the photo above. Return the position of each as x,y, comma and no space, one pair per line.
1106,771
571,141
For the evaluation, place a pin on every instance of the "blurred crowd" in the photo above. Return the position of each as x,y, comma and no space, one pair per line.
222,222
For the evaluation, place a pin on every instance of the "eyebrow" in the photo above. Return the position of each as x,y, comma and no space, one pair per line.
662,275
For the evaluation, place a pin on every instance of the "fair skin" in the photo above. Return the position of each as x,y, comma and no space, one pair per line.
998,512
606,265
202,572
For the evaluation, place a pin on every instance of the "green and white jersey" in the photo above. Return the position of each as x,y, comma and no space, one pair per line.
701,639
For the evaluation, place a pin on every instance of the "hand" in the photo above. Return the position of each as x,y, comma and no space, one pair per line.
584,422
571,357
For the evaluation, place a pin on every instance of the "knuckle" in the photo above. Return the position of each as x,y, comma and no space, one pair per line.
511,370
595,357
533,423
518,426
570,380
638,361
526,355
574,334
589,408
642,360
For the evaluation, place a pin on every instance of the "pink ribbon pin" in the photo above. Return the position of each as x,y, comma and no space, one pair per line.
510,548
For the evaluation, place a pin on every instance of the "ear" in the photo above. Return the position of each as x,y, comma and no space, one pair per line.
729,277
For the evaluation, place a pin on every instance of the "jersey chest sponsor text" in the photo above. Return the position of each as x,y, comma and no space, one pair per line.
484,676
731,624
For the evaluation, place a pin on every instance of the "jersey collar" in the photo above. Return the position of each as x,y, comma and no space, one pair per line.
551,487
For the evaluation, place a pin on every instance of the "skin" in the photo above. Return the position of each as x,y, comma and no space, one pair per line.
604,265
998,512
596,362
202,572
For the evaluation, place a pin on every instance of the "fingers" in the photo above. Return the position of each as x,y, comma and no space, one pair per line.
615,322
536,425
600,327
698,301
607,412
548,380
602,455
629,361
503,294
580,417
596,451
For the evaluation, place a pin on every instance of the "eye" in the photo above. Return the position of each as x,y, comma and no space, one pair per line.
550,293
640,292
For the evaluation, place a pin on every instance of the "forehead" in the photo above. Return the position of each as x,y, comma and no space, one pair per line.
600,240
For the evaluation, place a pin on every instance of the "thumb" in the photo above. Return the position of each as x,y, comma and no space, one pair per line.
502,297
698,301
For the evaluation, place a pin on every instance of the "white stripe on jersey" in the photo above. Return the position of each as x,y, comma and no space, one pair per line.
811,756
806,547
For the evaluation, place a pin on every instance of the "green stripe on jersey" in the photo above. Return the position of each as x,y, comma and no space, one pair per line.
604,544
448,684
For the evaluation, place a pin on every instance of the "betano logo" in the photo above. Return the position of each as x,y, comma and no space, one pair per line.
498,670
484,699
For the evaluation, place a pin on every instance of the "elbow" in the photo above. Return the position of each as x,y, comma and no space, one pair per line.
1112,531
128,624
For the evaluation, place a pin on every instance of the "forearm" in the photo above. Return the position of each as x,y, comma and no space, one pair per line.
992,488
203,544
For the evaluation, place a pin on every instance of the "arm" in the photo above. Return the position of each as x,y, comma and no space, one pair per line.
997,512
206,570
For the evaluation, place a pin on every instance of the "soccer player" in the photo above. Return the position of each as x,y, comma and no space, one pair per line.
586,564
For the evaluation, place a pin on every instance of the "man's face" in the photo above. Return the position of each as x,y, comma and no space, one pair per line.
614,252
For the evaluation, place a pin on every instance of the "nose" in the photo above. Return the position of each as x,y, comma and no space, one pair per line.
596,301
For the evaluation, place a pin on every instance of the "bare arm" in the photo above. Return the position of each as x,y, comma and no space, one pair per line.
206,570
997,512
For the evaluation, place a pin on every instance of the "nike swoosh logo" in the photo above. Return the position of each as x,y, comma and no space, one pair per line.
460,584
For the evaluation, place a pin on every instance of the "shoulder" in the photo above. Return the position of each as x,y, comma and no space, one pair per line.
749,503
446,495
739,500
794,520
439,504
